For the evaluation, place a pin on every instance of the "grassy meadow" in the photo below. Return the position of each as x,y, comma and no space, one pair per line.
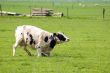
87,52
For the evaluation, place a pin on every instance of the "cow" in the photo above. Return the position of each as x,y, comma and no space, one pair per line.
37,38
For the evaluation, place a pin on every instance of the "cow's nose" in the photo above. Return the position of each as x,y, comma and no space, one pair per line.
68,39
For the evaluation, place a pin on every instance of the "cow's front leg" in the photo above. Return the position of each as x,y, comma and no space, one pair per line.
39,52
39,49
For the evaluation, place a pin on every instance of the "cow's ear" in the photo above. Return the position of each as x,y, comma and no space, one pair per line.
54,34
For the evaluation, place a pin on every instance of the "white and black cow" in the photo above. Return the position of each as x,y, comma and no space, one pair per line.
38,39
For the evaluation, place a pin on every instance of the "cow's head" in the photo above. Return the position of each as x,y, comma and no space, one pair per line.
60,37
51,41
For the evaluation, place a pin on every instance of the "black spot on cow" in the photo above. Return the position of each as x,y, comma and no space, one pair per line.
61,37
34,42
52,43
46,39
31,39
27,33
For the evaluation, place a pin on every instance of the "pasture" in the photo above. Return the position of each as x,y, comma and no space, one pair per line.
87,52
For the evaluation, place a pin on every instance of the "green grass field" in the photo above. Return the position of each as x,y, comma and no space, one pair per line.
87,52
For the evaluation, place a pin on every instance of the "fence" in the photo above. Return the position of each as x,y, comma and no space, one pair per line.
70,8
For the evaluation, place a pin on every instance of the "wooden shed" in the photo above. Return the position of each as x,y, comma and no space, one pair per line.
42,12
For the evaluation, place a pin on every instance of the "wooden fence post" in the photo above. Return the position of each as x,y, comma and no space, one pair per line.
72,4
30,10
67,12
53,4
103,13
41,11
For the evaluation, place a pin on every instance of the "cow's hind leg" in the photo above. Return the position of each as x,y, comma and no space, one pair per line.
27,51
18,41
14,48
